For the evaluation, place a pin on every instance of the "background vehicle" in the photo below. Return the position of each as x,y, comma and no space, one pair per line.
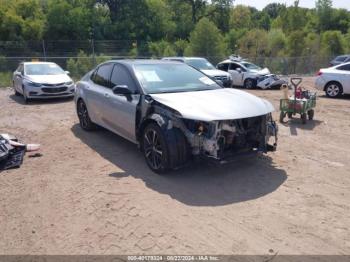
173,111
335,81
42,80
340,60
248,75
206,67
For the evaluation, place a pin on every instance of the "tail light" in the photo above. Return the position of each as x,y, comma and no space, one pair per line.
319,73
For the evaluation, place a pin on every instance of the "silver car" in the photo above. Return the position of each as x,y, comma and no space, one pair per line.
42,80
174,112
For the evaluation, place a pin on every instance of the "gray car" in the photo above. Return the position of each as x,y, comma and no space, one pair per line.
42,80
174,112
340,60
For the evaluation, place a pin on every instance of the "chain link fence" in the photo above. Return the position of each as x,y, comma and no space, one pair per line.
79,57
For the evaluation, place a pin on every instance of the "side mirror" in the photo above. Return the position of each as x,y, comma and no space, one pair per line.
67,72
122,90
239,70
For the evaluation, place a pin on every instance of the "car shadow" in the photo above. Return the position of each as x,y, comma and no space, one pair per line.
343,97
19,99
198,184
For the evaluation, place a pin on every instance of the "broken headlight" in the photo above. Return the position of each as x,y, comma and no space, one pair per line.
200,128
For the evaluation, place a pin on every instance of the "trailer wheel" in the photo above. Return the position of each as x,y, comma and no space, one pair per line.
290,115
311,114
282,116
303,118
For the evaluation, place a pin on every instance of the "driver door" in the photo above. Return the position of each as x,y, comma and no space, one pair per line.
120,113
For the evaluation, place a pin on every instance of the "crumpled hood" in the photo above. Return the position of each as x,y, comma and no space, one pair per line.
219,104
49,79
215,72
264,71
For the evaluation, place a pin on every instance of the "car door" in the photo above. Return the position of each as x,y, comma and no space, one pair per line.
18,78
345,77
120,113
95,92
237,74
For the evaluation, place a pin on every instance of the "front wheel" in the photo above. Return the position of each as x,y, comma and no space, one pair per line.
311,114
84,118
164,149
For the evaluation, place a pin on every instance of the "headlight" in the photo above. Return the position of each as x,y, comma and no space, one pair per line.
229,77
68,83
31,83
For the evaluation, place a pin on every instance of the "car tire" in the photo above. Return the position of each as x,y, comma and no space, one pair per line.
333,89
249,83
282,116
84,118
14,89
290,115
164,150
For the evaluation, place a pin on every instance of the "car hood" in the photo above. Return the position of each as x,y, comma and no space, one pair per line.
218,104
215,72
49,79
264,71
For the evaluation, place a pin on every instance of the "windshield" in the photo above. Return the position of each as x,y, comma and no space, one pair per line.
200,64
170,78
43,69
251,66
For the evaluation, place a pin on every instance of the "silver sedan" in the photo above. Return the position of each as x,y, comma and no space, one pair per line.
42,80
174,112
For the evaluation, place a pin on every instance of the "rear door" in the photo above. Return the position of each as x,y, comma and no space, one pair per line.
95,92
120,113
345,77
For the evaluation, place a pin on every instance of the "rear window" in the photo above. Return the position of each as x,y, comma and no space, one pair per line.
341,58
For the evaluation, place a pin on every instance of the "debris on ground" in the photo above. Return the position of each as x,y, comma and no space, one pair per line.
12,151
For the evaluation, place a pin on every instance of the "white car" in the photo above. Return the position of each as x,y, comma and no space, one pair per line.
248,75
335,80
42,80
206,67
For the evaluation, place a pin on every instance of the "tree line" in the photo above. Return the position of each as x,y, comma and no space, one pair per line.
213,28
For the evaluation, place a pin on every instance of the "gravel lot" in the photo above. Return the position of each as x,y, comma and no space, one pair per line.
92,193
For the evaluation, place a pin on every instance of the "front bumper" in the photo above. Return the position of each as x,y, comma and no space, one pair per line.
50,91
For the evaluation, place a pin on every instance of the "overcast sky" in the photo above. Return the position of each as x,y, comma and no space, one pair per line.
260,4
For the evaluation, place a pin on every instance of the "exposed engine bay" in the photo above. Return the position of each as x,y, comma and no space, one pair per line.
226,138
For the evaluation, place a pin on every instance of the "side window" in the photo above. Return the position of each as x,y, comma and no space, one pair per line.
102,75
234,66
340,58
223,67
121,76
344,67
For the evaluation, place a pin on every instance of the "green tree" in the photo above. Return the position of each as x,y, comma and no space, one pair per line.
324,14
206,40
332,43
254,44
276,42
241,17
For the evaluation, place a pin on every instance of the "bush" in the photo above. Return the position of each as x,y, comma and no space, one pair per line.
81,65
5,79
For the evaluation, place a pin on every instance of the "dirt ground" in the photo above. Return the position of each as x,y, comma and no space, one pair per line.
92,193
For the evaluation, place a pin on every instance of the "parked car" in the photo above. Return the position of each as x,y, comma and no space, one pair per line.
42,80
248,75
206,67
335,80
340,60
173,112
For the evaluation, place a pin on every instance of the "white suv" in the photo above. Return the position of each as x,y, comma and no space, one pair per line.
335,80
248,75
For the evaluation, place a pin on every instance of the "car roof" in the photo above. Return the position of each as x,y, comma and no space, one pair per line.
37,63
184,58
142,61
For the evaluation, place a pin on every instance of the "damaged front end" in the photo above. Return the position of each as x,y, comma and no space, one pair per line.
269,81
223,140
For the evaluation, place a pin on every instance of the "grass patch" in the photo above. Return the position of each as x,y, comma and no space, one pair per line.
5,79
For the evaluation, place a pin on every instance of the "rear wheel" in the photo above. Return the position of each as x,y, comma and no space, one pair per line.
333,90
249,83
164,151
84,118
